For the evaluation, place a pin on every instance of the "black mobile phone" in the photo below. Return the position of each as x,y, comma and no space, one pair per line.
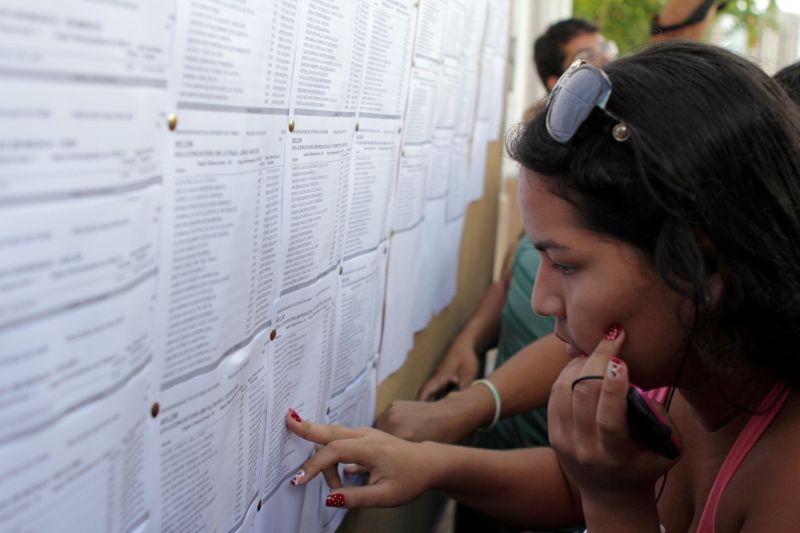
649,428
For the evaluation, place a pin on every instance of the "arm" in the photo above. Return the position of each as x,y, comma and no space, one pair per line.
460,364
523,382
525,487
522,486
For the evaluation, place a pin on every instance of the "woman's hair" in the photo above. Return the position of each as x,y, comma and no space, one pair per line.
708,182
789,78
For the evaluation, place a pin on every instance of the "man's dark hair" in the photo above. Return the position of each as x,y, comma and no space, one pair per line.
789,79
548,53
696,164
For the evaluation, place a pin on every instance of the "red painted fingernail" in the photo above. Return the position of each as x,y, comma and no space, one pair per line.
615,367
294,415
583,354
334,500
613,332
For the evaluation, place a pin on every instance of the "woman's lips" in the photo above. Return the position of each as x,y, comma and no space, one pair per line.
572,350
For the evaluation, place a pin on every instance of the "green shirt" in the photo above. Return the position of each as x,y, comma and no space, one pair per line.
519,327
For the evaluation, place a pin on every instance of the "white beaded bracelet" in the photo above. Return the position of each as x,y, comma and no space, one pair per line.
497,401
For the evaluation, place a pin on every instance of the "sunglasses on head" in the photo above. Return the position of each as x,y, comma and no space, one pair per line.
579,90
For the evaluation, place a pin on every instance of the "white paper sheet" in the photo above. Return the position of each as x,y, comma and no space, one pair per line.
325,79
87,472
360,300
458,177
220,238
59,265
420,113
196,199
104,132
299,370
286,510
478,152
387,59
409,206
375,166
448,275
398,323
315,197
428,262
448,95
490,102
440,164
497,26
455,29
353,407
475,29
210,444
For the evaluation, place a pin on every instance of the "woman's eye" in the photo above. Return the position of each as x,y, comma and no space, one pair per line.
564,269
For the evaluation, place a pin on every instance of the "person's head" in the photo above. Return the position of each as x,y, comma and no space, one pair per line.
566,41
686,234
789,79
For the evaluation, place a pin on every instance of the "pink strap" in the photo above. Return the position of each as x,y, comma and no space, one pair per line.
658,395
752,431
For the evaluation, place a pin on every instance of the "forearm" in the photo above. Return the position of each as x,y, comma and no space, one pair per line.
525,487
524,381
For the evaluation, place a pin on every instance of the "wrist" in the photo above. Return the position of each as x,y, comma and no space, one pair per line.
438,465
473,407
498,402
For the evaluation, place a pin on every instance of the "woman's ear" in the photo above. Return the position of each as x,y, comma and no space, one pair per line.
716,287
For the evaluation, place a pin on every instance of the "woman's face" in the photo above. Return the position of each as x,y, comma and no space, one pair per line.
588,282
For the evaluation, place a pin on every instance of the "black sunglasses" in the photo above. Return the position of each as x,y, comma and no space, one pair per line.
580,89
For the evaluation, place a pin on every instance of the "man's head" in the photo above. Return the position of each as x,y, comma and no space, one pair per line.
566,41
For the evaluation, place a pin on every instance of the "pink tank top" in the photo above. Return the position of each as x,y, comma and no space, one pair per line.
770,407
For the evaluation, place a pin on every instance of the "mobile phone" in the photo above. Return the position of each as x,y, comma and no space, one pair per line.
649,428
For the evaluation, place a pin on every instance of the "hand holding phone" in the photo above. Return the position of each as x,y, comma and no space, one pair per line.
649,428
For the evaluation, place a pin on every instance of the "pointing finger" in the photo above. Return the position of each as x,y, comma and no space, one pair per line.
318,433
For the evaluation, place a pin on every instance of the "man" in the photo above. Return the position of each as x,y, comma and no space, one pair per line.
566,41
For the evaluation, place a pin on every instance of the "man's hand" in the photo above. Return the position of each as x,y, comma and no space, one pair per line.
458,367
448,420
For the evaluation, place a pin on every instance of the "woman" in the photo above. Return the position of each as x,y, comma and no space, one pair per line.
665,203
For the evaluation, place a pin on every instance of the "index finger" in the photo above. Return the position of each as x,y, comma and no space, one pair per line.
318,433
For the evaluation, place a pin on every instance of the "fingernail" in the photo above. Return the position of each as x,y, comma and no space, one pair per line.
297,478
294,415
613,332
334,500
615,367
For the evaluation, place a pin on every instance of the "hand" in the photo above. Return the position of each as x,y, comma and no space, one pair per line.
459,367
589,431
399,470
447,420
